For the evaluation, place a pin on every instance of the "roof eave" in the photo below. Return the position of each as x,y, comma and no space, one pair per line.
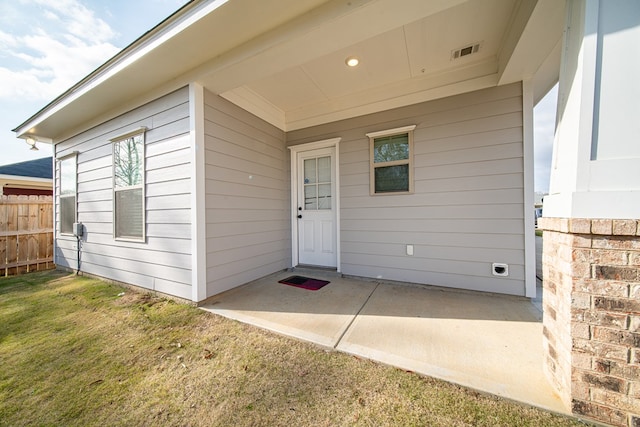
108,69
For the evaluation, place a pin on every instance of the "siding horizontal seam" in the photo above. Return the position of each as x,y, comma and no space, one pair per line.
239,118
212,147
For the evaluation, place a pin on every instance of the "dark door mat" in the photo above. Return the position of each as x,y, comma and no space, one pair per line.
304,282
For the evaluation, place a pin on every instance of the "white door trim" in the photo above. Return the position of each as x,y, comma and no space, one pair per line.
295,149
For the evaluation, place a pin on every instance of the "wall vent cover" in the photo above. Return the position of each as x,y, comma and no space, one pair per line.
466,50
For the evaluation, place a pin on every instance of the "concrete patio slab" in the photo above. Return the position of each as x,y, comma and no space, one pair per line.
491,343
320,316
488,342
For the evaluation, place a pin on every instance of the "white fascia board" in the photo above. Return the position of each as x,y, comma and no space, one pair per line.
25,178
138,49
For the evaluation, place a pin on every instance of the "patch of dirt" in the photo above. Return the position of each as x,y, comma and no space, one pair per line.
135,298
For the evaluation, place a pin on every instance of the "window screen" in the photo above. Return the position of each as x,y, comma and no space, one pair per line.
391,161
68,189
128,185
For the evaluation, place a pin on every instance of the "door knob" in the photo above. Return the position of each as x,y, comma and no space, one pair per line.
299,216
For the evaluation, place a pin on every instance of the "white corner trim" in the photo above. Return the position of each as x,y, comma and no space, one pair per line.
198,206
528,202
391,131
56,198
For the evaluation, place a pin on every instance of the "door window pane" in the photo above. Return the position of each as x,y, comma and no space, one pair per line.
324,196
317,183
324,169
310,171
310,197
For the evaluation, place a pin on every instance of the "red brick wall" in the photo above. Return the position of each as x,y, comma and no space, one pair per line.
591,320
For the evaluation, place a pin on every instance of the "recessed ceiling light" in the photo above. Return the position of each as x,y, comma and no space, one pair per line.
352,61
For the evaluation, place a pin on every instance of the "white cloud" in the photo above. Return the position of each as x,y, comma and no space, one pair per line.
7,40
79,20
56,52
51,16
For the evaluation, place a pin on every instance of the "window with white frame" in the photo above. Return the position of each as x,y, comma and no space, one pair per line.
68,191
128,186
391,161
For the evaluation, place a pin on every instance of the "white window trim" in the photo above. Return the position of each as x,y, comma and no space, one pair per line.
75,195
372,165
139,131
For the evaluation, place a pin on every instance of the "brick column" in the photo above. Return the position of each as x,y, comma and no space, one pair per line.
591,320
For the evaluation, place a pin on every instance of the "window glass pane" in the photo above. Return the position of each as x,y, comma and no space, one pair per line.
67,213
127,162
128,206
324,169
310,171
324,196
392,178
391,148
68,176
310,199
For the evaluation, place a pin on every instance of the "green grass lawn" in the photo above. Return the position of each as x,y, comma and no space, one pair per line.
74,351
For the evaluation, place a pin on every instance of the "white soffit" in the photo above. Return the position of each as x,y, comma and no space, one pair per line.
536,45
383,60
430,40
162,59
284,60
407,64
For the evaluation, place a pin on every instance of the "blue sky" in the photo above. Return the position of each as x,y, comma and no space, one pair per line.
48,45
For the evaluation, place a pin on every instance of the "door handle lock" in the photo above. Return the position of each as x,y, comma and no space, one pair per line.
299,216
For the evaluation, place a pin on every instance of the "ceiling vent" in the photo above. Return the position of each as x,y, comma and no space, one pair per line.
465,51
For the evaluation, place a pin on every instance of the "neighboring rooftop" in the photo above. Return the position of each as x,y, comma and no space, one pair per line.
39,168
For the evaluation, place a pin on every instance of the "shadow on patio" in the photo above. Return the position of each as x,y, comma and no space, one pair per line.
488,342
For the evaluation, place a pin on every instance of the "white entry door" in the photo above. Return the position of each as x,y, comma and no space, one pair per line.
316,207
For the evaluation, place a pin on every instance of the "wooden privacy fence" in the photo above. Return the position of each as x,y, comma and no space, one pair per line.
26,234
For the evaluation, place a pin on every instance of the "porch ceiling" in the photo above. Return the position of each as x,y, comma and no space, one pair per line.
285,60
401,62
407,62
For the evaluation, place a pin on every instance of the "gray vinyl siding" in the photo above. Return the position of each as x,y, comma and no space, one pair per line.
467,208
163,261
247,196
